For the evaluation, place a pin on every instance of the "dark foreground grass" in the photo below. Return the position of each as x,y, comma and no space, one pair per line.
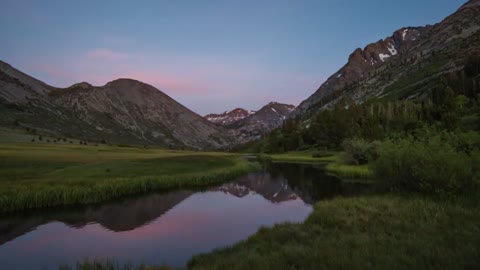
379,232
35,176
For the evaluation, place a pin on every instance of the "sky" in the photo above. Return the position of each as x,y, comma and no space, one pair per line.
211,56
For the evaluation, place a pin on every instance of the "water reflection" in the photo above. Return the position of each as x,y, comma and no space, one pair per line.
117,216
279,182
169,227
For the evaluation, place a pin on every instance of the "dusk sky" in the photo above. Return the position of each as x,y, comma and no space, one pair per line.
211,56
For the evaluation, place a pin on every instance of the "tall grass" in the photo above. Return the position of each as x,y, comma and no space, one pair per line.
53,195
27,183
378,232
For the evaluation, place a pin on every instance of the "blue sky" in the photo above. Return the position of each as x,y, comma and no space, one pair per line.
211,56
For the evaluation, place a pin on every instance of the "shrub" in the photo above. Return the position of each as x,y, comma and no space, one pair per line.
427,165
359,151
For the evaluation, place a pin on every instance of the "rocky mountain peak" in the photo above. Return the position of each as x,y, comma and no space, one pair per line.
229,117
82,85
124,82
123,111
250,125
370,71
470,4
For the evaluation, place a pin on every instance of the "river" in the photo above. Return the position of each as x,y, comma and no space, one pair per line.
167,228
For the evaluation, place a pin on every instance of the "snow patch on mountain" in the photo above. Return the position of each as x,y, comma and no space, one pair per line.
383,56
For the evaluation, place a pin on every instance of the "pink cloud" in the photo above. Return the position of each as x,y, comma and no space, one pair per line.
106,55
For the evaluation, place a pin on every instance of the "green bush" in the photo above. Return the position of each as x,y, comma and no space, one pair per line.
432,164
359,151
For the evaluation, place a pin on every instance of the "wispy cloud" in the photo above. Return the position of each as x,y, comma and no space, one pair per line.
204,83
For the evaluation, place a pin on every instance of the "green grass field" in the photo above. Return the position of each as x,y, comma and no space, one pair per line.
299,157
44,175
333,160
377,232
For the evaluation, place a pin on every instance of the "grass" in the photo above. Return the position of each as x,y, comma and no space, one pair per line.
337,167
41,175
377,232
334,163
299,157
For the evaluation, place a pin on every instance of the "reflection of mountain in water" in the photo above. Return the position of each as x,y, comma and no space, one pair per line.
281,182
274,190
276,183
116,216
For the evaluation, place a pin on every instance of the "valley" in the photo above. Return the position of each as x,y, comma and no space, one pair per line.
378,168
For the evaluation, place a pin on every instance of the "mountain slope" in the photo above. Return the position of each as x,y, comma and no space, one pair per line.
262,121
123,111
402,65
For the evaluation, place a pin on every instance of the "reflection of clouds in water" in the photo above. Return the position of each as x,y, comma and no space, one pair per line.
200,223
169,227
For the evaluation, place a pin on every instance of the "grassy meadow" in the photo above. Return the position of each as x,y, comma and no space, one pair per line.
377,232
45,175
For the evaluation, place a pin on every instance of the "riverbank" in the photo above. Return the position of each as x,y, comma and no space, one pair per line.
377,232
334,163
46,175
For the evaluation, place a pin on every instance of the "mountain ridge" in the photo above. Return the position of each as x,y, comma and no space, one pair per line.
395,56
249,125
123,111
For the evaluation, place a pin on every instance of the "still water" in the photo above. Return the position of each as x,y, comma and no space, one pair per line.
167,228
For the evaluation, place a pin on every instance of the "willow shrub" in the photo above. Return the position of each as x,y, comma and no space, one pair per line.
431,164
359,152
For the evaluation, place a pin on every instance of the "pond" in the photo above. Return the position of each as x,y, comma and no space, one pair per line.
167,228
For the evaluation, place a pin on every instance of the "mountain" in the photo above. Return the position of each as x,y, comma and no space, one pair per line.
229,117
248,125
403,65
123,111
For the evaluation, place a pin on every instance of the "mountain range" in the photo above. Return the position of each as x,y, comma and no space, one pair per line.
250,125
124,111
403,65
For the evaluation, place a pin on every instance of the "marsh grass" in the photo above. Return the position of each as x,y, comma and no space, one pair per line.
349,171
376,232
335,163
72,175
299,157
